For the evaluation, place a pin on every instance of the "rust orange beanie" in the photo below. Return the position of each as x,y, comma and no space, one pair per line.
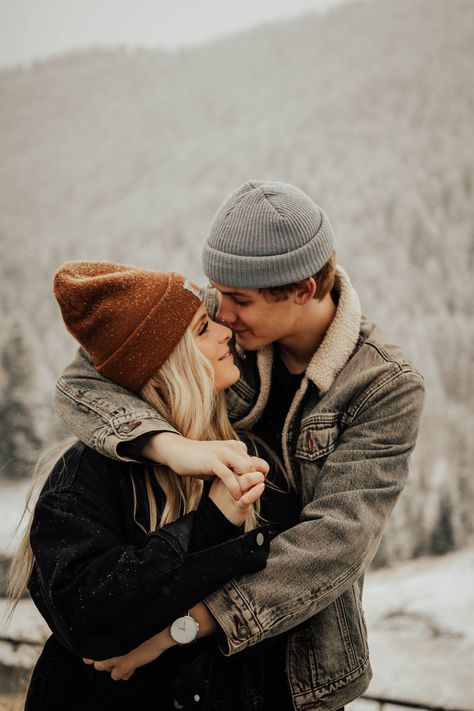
128,319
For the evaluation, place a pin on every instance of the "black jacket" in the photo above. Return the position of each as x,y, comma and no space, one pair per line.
104,585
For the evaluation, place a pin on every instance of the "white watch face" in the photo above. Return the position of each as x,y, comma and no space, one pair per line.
184,630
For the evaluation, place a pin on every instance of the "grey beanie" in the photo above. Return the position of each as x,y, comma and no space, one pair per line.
266,234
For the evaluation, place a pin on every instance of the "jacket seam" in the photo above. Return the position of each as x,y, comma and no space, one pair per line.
378,385
327,685
107,418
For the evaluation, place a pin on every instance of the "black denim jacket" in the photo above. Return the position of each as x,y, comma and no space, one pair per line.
104,585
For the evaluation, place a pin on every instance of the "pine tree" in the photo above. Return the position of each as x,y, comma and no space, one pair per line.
19,440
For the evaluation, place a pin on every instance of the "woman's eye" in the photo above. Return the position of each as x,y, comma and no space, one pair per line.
204,328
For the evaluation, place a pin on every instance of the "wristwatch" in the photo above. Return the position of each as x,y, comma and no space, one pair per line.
184,630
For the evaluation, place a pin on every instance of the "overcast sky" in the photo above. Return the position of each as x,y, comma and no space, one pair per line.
35,29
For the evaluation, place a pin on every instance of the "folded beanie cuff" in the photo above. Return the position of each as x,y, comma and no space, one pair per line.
266,271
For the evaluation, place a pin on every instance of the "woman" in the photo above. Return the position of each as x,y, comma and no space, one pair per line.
116,552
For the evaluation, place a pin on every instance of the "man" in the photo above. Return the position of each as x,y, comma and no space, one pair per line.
337,401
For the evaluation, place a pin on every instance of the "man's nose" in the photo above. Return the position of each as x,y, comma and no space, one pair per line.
225,313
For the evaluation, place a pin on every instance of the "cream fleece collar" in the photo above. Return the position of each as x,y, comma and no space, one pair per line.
341,337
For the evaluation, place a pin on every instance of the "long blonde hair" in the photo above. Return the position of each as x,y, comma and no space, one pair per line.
183,392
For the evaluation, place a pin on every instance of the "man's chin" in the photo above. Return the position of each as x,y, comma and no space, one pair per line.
247,341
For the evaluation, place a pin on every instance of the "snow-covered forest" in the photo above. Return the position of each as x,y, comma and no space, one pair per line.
125,156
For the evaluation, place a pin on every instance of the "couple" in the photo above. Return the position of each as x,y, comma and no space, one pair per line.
133,557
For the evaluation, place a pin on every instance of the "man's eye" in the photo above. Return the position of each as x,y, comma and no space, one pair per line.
204,328
241,303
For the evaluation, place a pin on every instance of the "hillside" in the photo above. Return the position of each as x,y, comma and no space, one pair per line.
126,156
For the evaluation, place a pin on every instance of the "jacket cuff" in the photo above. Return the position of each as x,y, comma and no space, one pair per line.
133,449
236,618
127,447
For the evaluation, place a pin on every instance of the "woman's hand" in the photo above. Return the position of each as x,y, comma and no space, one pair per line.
188,457
251,486
122,668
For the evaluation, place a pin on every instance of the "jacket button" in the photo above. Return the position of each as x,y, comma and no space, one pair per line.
243,631
260,539
196,697
177,705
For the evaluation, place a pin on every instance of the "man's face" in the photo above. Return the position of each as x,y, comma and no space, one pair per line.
256,318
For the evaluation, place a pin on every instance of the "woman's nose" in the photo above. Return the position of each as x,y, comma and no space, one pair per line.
225,332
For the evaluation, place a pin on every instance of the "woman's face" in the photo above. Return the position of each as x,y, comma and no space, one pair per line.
212,339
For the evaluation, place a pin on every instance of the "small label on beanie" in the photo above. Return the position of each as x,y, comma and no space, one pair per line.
192,288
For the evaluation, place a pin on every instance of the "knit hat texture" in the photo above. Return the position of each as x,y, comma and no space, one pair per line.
267,234
128,319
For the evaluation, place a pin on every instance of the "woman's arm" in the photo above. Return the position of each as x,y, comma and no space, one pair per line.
122,667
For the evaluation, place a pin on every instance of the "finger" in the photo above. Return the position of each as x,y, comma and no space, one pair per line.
105,665
87,661
126,677
260,465
246,481
240,464
251,496
229,479
117,673
241,444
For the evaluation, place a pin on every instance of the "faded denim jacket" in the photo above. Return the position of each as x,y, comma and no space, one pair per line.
347,440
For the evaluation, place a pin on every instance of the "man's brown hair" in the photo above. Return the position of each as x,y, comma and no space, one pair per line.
324,282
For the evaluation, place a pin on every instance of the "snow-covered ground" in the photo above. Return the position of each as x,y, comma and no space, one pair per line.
420,617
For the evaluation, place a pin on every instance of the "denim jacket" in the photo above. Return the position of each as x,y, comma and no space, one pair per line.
347,440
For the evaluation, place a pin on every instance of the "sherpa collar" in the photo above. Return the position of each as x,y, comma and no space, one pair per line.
341,336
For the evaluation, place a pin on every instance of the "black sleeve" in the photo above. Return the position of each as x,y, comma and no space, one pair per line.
105,596
133,449
210,526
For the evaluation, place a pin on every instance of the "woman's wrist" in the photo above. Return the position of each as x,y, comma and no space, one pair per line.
207,624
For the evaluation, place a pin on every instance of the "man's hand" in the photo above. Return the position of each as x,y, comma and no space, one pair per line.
187,457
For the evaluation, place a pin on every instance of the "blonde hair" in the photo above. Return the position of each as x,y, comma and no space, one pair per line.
183,392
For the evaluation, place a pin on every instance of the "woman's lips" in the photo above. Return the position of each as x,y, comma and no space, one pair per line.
227,354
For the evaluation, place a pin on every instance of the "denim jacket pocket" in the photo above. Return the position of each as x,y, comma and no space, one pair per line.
318,436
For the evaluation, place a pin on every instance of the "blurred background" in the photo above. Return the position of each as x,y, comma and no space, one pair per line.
123,126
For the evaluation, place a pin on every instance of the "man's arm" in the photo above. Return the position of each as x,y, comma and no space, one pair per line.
314,562
102,414
105,417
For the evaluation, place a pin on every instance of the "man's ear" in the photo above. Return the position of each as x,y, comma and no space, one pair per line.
305,291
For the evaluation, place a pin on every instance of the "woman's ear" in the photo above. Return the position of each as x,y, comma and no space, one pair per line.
305,291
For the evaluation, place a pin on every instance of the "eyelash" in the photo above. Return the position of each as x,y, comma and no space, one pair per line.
205,327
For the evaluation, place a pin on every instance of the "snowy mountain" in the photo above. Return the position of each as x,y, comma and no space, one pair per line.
126,156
